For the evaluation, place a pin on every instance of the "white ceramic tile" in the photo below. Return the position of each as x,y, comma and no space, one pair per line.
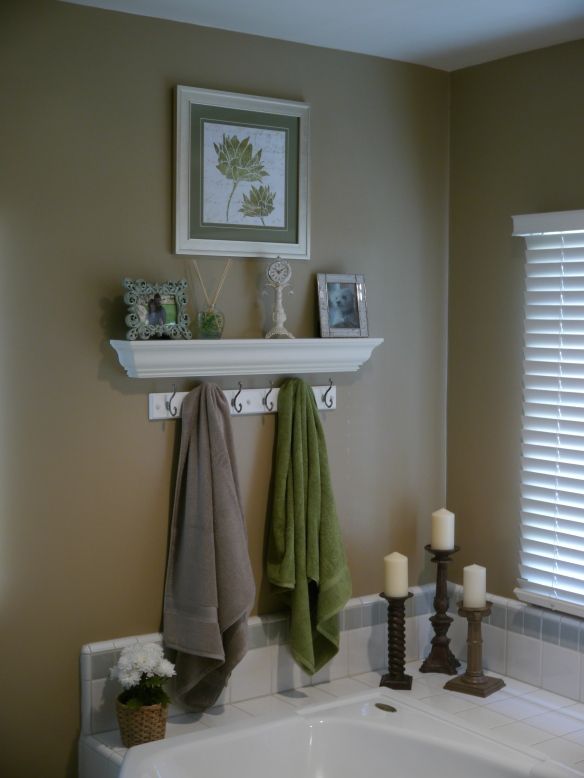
266,706
100,646
223,714
103,697
413,668
562,750
338,667
93,764
449,703
521,734
575,710
152,637
343,687
458,633
582,675
517,708
412,651
483,717
435,681
85,707
85,666
286,673
185,724
371,679
225,697
425,635
497,696
353,614
358,650
420,689
309,695
370,599
123,642
494,649
556,723
515,687
548,699
253,675
576,737
560,670
524,658
377,647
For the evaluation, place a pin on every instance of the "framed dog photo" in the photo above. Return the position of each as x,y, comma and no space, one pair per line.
156,310
342,303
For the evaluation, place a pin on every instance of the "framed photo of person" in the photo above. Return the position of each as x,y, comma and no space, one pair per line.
342,303
156,310
241,175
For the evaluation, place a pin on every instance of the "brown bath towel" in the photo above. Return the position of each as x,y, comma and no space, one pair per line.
209,583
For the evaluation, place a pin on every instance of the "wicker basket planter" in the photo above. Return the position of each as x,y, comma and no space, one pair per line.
141,725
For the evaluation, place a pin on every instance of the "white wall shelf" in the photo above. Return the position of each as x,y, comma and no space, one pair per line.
196,358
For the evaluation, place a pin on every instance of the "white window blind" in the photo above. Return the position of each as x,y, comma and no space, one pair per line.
552,473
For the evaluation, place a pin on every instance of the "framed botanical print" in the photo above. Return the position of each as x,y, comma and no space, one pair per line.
241,175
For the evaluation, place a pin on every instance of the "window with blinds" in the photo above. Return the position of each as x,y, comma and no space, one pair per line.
552,472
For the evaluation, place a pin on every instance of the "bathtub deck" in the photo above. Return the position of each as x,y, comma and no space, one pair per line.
519,714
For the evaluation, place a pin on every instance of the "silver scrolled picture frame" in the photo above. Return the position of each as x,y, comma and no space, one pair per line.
156,310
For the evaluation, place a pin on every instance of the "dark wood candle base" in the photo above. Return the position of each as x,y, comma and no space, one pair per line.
396,678
405,682
474,681
441,659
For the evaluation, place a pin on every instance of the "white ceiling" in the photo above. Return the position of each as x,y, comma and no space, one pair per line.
444,34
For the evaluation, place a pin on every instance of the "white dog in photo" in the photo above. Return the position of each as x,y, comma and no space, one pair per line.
342,308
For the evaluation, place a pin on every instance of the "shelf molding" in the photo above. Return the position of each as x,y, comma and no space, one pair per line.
199,358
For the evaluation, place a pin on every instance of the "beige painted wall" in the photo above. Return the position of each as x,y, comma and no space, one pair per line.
516,147
85,199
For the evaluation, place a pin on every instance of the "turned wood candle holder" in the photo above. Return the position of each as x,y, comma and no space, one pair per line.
473,681
396,678
441,659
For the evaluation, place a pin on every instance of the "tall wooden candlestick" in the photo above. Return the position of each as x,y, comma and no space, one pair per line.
441,659
473,681
396,678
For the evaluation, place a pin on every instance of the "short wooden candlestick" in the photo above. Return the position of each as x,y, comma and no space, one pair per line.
396,678
441,659
473,681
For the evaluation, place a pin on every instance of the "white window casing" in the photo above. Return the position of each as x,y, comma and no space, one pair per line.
552,461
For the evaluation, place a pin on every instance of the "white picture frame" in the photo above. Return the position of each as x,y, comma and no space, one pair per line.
222,211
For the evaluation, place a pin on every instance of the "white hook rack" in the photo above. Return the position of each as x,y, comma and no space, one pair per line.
167,405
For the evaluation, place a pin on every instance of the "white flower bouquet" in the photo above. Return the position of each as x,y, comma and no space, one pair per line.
142,670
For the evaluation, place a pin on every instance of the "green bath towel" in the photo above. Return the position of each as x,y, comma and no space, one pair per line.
306,559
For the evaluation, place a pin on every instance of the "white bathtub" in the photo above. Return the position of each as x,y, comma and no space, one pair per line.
349,738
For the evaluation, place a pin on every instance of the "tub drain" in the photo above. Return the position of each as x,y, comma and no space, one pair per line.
386,708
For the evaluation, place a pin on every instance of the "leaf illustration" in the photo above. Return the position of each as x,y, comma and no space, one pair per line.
259,202
237,162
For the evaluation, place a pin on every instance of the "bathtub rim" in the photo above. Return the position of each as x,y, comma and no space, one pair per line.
137,755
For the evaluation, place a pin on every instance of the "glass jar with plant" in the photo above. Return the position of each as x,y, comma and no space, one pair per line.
211,320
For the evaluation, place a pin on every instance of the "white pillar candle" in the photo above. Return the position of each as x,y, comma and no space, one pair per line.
474,582
442,530
396,575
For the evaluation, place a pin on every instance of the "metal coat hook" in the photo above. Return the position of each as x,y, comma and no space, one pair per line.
237,407
172,410
269,406
328,401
